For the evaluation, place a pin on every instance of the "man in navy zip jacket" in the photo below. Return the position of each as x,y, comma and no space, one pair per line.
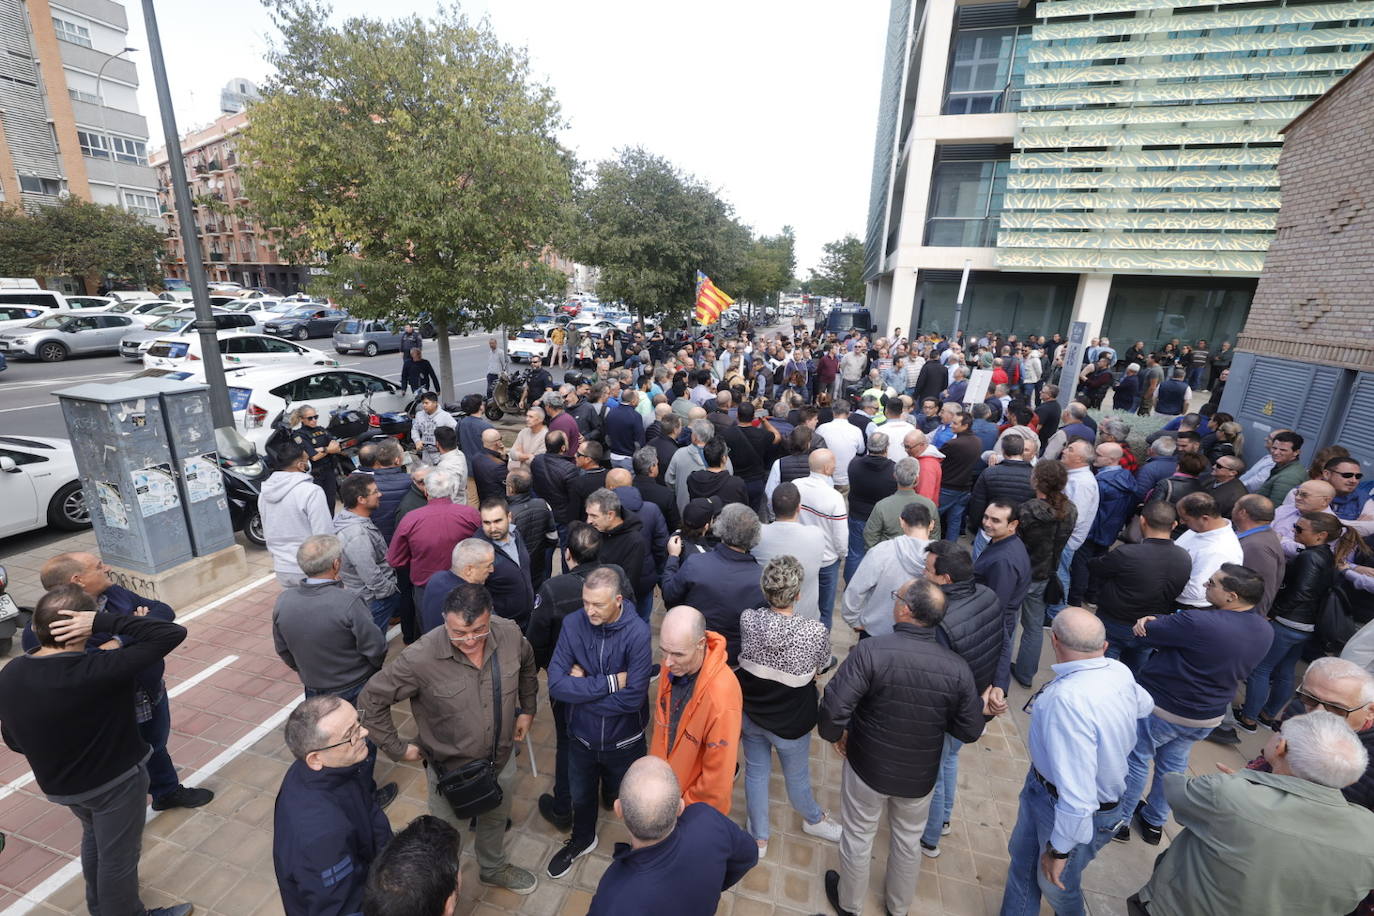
328,827
600,668
680,857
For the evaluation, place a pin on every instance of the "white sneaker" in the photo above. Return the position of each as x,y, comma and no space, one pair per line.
825,828
763,850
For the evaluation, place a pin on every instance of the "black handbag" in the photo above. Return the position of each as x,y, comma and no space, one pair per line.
473,789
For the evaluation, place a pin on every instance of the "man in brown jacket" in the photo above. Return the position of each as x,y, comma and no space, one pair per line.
447,676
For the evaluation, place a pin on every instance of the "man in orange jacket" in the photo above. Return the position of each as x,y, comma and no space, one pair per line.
697,719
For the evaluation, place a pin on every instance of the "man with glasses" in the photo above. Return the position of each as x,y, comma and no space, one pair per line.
1200,655
1224,484
1344,476
1309,496
328,826
447,675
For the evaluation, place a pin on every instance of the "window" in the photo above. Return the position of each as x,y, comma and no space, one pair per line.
966,203
74,32
141,204
93,145
80,96
32,184
123,149
986,71
129,150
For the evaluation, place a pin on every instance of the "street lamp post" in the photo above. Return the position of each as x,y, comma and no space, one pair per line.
100,102
190,235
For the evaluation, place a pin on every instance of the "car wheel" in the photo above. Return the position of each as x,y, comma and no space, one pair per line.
302,334
371,349
68,510
253,529
52,352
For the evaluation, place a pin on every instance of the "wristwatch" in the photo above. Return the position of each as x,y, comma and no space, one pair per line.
1054,853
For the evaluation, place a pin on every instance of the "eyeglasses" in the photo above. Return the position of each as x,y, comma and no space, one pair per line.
898,596
1349,474
313,416
352,736
470,637
1298,529
1312,702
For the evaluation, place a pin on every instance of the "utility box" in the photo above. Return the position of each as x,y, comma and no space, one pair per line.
146,453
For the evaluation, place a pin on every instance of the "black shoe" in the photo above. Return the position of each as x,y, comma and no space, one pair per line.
1221,735
1269,722
832,892
548,809
1123,834
562,861
1249,726
387,794
1148,832
176,909
183,797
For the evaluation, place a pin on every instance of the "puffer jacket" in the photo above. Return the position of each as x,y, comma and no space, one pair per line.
1045,536
721,584
1155,469
602,714
533,521
625,546
1306,585
870,479
1115,500
1009,480
364,570
553,476
973,628
394,484
897,696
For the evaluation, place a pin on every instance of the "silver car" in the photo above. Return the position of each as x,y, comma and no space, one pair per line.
53,338
369,336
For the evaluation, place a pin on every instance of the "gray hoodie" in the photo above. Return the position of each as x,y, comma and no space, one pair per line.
326,635
887,567
293,508
363,570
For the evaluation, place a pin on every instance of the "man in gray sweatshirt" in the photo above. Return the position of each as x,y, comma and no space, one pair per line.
323,631
364,569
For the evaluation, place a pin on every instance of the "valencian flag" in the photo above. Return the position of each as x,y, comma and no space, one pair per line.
710,300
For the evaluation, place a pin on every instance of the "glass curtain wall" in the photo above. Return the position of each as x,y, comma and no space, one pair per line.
986,70
966,203
1006,303
1189,309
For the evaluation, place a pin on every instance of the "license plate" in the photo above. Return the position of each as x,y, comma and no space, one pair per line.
8,608
4,345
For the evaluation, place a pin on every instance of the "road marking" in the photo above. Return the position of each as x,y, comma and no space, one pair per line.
54,882
187,618
30,407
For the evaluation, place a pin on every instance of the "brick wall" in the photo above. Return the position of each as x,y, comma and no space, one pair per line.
1315,300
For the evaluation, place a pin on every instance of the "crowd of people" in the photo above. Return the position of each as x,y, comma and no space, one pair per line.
754,486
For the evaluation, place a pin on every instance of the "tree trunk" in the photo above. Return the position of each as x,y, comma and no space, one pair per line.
445,361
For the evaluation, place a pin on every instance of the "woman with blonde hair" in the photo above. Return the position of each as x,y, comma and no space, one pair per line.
780,657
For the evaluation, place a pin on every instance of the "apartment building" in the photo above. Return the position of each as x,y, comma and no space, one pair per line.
69,118
232,246
1109,161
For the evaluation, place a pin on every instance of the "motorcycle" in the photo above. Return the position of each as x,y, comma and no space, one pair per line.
243,472
13,618
505,398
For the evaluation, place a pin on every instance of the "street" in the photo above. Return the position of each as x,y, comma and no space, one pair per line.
28,405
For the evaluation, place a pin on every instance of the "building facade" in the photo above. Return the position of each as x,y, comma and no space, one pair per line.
1305,359
233,248
69,118
1109,161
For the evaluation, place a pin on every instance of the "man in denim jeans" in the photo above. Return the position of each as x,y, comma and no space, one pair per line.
1200,655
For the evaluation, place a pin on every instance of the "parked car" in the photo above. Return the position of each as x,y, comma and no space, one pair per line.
16,316
304,323
529,342
144,311
224,286
236,349
135,343
593,327
39,298
130,295
102,303
368,336
39,485
53,338
177,295
260,292
259,395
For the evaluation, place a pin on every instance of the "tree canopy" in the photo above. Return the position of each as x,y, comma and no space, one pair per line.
841,271
77,238
769,265
650,228
417,159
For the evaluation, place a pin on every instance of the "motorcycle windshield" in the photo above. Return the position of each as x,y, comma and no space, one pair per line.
233,448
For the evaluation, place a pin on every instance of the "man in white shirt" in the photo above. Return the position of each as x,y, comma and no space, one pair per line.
895,428
787,535
1209,540
1083,493
844,439
824,508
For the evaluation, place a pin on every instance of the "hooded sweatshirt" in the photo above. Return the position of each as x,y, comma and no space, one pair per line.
705,747
654,530
885,568
706,484
293,508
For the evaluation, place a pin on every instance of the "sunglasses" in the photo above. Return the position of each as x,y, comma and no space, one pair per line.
313,416
1312,702
1349,474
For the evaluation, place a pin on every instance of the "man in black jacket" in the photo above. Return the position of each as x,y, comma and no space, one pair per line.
963,458
1005,567
622,533
557,598
646,481
972,627
489,468
932,380
1008,479
512,594
67,710
887,711
552,474
533,521
871,479
664,443
591,476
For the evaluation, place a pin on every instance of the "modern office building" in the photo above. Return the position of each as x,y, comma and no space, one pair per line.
69,119
1110,161
232,246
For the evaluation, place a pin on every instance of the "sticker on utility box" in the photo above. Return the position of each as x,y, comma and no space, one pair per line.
156,489
202,476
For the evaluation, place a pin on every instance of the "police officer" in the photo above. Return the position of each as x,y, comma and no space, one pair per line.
320,447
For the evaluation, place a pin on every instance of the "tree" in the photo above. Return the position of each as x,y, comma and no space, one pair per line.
418,160
769,265
77,238
650,228
841,271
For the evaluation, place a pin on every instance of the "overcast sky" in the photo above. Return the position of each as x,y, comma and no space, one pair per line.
772,102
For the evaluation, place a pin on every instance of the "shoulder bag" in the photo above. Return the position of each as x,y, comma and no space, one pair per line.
473,789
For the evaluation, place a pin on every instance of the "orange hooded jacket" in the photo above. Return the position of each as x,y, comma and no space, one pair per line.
707,747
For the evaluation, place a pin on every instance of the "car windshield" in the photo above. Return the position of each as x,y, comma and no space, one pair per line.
170,323
530,334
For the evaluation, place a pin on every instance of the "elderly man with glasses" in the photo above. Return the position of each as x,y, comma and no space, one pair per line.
328,826
451,676
1224,484
1309,496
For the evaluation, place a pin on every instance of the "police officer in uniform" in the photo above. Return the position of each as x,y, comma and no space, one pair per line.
320,447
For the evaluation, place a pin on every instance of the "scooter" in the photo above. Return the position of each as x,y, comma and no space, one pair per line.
13,618
505,397
243,472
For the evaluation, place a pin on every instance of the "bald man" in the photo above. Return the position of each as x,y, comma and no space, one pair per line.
1308,496
697,724
490,466
686,854
917,445
823,507
1082,729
